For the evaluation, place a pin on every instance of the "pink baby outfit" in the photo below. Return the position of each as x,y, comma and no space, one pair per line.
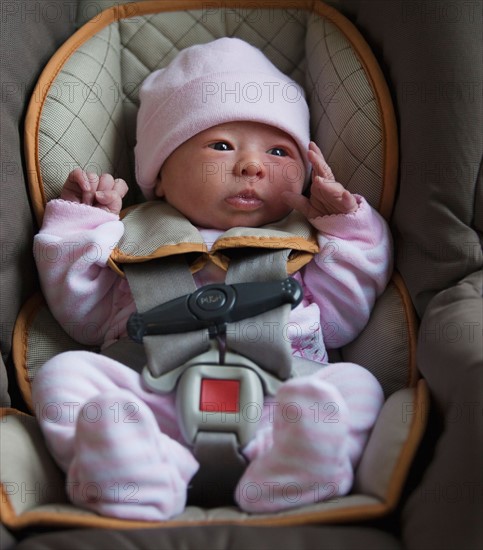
120,444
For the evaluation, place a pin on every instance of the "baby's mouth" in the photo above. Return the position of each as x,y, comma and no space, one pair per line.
245,200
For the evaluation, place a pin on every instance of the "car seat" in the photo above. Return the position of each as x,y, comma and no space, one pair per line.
32,346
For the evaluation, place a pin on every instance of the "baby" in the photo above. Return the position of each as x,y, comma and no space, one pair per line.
223,137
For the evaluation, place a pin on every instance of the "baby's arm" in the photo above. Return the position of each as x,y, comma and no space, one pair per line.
355,259
351,270
72,250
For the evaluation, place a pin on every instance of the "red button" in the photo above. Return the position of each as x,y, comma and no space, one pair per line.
220,395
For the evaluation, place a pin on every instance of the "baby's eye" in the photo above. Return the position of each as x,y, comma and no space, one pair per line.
221,146
277,151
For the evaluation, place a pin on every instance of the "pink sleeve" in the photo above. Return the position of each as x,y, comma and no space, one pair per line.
350,272
71,251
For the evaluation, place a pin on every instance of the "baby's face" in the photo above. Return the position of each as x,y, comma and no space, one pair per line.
233,175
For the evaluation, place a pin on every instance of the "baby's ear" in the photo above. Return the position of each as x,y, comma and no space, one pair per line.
158,187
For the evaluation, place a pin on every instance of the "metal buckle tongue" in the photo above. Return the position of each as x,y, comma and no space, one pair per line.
213,307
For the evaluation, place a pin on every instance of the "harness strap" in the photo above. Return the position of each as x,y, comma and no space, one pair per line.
148,283
260,339
155,229
221,467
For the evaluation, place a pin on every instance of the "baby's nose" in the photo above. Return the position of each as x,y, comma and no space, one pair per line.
250,169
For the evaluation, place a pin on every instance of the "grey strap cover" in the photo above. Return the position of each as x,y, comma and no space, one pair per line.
156,282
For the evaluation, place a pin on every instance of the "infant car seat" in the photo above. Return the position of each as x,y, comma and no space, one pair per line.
83,113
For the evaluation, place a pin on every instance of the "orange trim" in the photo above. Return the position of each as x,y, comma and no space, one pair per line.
112,265
122,11
7,513
52,519
410,447
20,344
253,241
162,252
10,411
411,326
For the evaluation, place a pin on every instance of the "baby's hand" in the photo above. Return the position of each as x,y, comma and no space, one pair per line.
327,196
103,192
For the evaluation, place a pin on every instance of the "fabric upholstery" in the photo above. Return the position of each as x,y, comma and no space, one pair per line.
71,126
220,538
28,36
4,395
432,52
450,357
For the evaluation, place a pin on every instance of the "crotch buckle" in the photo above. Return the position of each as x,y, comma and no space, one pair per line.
214,397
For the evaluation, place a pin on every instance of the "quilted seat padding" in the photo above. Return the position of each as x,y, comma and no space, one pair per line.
87,118
35,493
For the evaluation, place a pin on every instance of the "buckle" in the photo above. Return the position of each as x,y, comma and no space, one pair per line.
219,398
215,396
167,382
213,306
219,390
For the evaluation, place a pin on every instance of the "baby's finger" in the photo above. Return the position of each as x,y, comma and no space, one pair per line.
74,186
323,187
109,201
332,197
314,147
297,202
106,182
320,166
78,178
121,188
349,202
90,189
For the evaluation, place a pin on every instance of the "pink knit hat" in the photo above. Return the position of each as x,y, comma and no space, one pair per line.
209,84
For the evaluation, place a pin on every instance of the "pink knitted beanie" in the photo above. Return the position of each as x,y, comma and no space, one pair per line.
209,84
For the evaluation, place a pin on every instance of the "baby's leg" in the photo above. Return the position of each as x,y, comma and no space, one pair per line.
364,398
126,467
320,425
104,430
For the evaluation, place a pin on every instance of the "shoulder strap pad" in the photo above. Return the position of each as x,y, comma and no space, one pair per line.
155,230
